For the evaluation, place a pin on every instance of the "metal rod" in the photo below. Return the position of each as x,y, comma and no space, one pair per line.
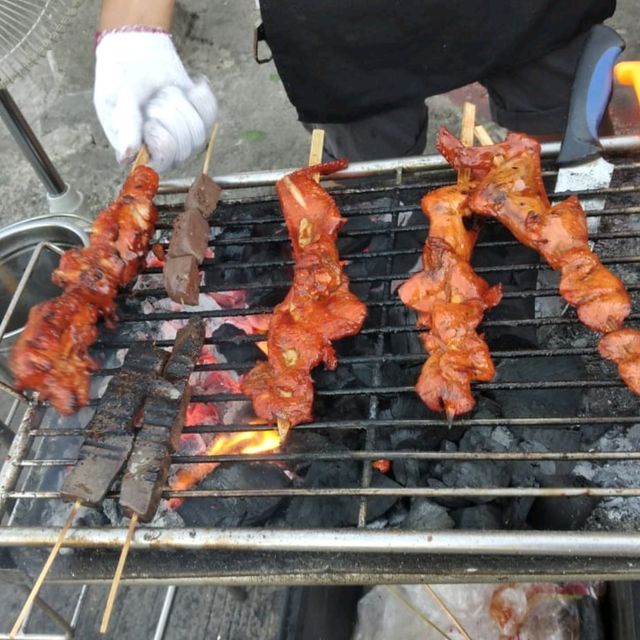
355,492
512,543
367,455
613,145
30,145
10,471
542,422
167,604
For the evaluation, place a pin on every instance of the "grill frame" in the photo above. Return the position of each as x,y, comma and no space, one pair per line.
358,555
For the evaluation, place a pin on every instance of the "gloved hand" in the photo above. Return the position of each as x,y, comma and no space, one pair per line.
142,93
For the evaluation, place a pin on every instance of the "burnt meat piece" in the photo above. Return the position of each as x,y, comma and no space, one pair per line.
190,235
109,439
186,351
182,279
162,422
203,195
148,466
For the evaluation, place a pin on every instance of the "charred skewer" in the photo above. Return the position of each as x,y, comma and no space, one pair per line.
162,422
110,433
190,236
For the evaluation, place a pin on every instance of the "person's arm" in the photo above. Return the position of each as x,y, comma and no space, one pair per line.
148,13
142,92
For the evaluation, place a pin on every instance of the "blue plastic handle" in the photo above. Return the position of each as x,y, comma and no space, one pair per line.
590,95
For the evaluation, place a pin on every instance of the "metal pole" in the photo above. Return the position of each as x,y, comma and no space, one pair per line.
30,145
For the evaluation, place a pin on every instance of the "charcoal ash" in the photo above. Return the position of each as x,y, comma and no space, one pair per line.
236,512
615,514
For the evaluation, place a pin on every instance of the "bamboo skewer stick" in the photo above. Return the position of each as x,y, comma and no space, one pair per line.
212,141
464,176
466,137
113,592
445,609
483,135
45,570
141,158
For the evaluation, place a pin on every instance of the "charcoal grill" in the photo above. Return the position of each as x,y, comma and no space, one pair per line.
360,554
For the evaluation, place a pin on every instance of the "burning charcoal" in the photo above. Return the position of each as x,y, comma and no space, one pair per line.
233,512
481,474
203,195
517,511
107,444
426,515
186,351
481,516
182,279
190,235
232,343
148,466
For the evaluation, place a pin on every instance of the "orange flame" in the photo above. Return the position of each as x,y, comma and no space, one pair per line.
245,442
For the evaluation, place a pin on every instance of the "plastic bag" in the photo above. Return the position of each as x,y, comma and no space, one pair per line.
527,611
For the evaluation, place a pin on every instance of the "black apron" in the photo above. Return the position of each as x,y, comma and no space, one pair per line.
342,60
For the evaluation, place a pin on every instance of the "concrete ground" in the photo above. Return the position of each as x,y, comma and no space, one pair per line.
259,130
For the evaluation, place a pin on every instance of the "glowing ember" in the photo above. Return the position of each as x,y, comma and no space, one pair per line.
243,442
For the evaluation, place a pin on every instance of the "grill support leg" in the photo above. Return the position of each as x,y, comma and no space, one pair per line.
61,198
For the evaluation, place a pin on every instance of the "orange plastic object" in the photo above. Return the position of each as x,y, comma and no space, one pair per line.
629,73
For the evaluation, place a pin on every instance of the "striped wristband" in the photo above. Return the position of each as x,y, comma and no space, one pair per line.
129,28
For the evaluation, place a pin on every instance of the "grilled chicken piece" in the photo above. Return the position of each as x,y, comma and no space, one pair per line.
623,348
51,354
450,299
93,273
458,357
318,309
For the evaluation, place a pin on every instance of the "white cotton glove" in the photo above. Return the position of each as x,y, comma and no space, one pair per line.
142,93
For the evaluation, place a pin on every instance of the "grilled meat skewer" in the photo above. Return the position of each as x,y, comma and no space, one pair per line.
51,355
110,435
318,309
162,422
188,242
450,299
510,189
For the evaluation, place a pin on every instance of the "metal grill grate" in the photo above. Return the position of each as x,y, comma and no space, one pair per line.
382,207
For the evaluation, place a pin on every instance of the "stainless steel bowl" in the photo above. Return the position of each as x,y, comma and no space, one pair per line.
17,243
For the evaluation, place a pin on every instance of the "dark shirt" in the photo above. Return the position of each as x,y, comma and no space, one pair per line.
342,60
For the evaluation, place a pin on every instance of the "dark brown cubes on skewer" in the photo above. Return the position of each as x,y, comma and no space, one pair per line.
110,436
189,242
162,422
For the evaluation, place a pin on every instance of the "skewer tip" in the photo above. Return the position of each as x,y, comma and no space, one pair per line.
451,414
284,426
